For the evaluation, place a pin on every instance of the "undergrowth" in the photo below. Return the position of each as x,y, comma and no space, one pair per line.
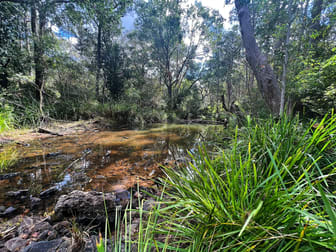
273,190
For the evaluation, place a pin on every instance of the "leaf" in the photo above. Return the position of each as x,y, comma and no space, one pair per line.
253,213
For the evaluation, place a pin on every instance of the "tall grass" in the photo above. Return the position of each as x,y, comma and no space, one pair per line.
272,191
8,158
124,238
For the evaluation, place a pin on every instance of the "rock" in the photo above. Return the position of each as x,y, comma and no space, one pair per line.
53,154
43,236
46,246
52,235
2,208
16,194
34,202
49,191
86,207
41,227
100,177
122,197
9,211
36,229
9,175
26,224
15,244
63,228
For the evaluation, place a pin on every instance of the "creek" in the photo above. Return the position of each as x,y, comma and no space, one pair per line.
95,160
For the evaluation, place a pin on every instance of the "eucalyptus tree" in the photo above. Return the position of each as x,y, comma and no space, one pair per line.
263,71
173,33
104,16
225,47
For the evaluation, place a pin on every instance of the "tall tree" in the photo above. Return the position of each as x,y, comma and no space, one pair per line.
266,79
173,34
105,16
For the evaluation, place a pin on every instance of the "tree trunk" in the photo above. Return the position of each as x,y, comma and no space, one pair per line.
38,23
266,79
99,42
285,62
38,53
170,96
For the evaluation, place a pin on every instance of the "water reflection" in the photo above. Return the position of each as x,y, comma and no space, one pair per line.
104,161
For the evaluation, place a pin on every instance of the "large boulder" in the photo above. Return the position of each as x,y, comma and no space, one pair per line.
88,208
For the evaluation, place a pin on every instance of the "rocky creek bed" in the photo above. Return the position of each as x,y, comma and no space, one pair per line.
50,196
74,224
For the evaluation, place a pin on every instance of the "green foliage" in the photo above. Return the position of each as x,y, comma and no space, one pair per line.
6,118
115,70
8,158
261,195
316,85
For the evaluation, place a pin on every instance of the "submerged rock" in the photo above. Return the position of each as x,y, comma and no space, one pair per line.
8,212
49,191
16,194
34,202
9,175
85,207
54,154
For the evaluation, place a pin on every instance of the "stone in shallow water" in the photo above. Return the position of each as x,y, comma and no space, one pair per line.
48,192
34,202
9,175
2,208
9,211
16,194
85,207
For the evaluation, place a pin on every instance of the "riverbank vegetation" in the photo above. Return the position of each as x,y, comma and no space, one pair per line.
143,62
273,189
266,72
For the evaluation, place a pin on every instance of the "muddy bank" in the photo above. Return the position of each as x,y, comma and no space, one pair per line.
23,136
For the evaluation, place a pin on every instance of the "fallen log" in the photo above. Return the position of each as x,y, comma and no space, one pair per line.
44,131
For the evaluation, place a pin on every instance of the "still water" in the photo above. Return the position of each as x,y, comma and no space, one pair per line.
97,160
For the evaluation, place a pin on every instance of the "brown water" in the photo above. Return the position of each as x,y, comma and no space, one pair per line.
102,161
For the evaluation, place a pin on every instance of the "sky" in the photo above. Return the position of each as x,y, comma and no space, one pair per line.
224,10
128,19
219,5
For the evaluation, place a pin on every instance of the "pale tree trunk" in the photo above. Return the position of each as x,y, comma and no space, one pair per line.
38,23
285,62
266,79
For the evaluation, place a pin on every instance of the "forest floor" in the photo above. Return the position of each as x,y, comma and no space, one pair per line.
56,128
